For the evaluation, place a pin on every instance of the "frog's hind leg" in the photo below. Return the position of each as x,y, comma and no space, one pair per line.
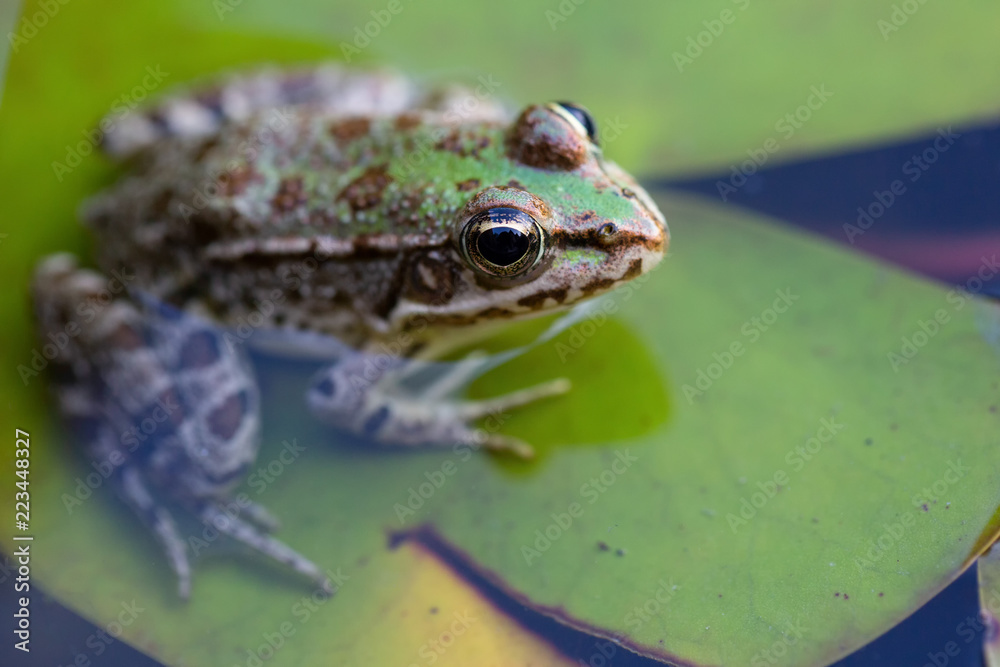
161,402
133,491
225,522
261,517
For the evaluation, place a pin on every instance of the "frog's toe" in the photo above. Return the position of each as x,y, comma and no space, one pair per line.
237,528
261,517
508,444
485,407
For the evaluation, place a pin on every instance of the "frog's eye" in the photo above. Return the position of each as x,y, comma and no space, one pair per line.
583,117
502,242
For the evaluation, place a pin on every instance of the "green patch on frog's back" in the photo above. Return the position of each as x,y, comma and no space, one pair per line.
448,174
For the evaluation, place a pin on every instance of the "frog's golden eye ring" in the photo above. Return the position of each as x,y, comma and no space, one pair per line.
583,117
502,242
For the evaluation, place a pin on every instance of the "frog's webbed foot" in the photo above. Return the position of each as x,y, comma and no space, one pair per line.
370,399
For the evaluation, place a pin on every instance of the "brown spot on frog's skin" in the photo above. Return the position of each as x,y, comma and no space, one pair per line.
598,285
290,195
493,312
201,349
431,279
126,338
225,419
467,185
205,147
462,143
365,191
235,181
350,129
541,138
535,301
451,142
407,121
634,270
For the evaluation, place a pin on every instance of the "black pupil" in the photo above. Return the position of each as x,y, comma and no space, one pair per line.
581,115
502,245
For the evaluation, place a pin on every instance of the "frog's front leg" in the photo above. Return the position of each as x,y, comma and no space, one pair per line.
365,394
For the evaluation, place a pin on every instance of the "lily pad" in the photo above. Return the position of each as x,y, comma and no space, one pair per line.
694,547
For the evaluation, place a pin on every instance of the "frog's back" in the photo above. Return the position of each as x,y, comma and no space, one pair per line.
275,173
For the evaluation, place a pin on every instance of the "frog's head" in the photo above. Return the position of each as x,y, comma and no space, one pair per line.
563,224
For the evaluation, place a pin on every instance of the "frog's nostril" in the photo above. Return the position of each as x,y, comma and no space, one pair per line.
607,233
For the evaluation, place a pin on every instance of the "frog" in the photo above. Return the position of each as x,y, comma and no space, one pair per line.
298,206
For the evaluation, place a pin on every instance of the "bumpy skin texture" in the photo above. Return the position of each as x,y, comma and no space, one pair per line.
332,202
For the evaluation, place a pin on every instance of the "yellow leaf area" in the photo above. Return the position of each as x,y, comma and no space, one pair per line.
435,618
